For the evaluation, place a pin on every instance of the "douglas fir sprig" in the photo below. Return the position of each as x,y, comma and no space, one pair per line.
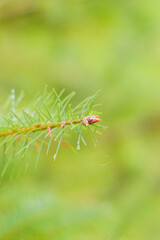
46,121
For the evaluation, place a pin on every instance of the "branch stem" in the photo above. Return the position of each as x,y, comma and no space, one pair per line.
37,127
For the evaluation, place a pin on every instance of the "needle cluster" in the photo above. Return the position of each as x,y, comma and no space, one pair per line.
45,122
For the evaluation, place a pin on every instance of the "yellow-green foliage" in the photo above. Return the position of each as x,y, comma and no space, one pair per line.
85,45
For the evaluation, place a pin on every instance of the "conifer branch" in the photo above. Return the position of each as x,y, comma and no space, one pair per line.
39,127
46,120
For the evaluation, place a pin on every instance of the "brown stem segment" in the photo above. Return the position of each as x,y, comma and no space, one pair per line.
41,127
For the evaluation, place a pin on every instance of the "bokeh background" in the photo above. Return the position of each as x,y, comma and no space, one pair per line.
86,45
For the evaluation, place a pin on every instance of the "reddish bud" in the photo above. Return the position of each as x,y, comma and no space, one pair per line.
62,124
94,119
17,138
85,122
49,131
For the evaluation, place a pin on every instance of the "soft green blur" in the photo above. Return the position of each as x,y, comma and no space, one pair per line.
86,45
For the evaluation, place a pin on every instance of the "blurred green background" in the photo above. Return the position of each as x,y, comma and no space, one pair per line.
86,45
